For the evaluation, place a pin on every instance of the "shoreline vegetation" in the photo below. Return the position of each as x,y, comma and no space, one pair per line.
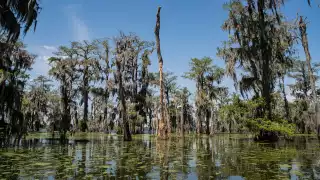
86,136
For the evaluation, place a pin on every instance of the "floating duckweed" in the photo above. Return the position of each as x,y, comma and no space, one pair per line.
42,164
105,166
296,172
285,166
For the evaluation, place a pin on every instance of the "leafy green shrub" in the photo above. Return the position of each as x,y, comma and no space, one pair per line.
244,112
279,126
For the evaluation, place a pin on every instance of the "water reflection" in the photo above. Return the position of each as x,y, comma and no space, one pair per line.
233,157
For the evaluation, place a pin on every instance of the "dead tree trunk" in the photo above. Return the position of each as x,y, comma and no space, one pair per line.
305,44
163,128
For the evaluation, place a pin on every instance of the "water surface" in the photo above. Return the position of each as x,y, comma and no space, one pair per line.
103,156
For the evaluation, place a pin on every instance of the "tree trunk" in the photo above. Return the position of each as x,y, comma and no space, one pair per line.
167,97
105,111
169,123
198,109
178,119
305,80
182,119
286,104
37,123
163,129
65,123
76,117
266,81
122,95
212,119
208,115
134,96
105,118
93,108
126,130
305,44
265,57
150,119
85,99
199,124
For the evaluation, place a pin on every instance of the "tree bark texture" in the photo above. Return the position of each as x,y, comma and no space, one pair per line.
162,129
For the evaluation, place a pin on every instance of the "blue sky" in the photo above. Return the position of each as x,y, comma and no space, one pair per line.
188,28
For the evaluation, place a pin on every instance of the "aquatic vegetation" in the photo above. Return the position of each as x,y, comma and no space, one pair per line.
105,156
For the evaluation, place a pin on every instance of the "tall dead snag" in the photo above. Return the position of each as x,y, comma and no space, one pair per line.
162,129
305,44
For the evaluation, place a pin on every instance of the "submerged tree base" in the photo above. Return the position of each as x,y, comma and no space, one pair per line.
318,132
162,132
267,136
163,136
127,138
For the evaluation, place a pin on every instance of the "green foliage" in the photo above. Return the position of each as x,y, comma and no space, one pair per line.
279,126
260,44
16,14
199,68
207,77
243,112
15,63
240,109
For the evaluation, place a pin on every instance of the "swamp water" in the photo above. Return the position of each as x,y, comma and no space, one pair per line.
103,156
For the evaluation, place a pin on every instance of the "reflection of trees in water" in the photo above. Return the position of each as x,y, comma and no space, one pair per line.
172,157
82,162
203,156
217,157
133,159
237,158
190,157
183,148
309,159
163,151
220,157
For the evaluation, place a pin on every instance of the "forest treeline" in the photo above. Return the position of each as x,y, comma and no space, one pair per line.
105,85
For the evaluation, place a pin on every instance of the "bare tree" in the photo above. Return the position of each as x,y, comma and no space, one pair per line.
163,129
305,44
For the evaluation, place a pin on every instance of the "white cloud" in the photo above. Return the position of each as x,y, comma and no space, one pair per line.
80,30
41,66
50,48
